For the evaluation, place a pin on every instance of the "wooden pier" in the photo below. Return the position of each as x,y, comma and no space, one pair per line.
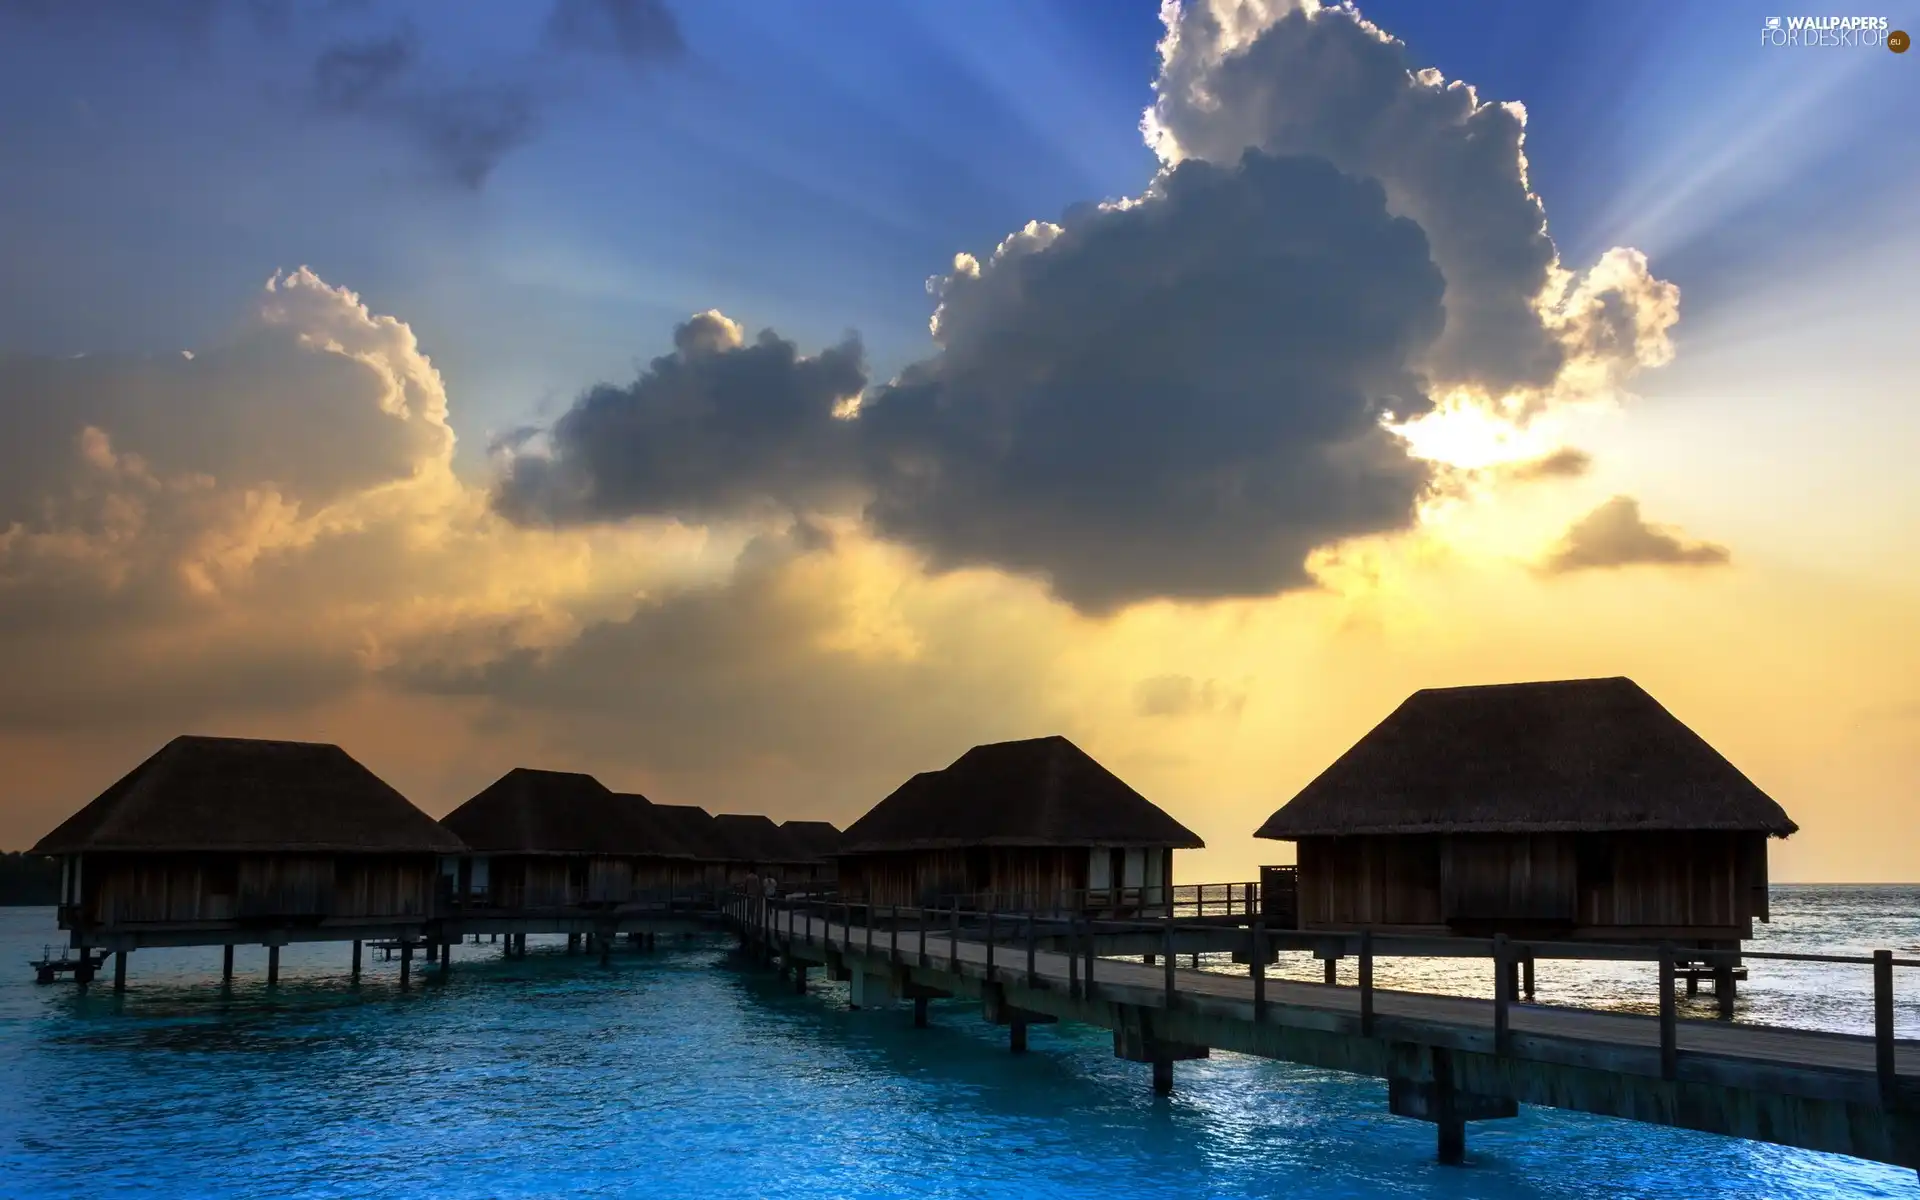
1447,1060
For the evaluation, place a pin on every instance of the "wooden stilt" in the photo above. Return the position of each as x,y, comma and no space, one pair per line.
1330,977
120,971
1693,984
1526,975
1723,986
273,966
446,959
919,1012
1453,1141
226,964
800,979
573,943
1017,1037
406,964
1163,1076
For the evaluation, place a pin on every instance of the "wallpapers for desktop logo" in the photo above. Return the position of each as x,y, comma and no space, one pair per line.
1869,32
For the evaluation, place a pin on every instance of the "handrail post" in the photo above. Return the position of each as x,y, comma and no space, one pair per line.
1883,1062
1366,983
1502,998
1257,967
1169,958
1033,948
1090,957
1073,957
989,941
1669,1016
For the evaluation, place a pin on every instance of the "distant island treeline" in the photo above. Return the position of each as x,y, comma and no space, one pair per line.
29,879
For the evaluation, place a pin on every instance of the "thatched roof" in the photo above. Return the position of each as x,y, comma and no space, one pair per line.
818,839
1576,755
246,794
1040,792
527,811
756,839
693,827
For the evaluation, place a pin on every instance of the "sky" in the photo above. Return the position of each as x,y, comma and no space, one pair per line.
754,404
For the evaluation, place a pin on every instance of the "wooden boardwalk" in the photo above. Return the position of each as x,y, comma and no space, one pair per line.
1446,1058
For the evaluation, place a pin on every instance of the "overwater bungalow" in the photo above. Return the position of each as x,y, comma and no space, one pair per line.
714,862
1573,809
553,842
225,841
1035,823
767,850
819,841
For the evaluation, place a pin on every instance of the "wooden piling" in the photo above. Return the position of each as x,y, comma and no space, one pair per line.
1366,983
1331,960
1883,1061
356,959
1669,1018
226,963
1257,967
1527,975
273,966
120,971
1163,1076
1017,1037
446,959
919,1012
406,964
573,941
800,978
1502,994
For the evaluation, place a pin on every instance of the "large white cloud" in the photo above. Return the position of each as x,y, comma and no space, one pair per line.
1294,77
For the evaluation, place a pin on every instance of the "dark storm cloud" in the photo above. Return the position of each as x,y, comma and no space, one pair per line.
643,32
1615,535
350,76
714,428
462,131
1182,397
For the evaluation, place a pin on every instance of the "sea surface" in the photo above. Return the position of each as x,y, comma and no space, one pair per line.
682,1072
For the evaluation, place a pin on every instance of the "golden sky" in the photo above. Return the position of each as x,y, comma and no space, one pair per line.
1165,482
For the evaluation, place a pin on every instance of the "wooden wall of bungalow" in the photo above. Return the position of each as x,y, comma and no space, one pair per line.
112,891
1042,877
556,881
1599,886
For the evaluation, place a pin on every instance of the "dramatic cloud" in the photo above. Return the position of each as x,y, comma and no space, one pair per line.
1291,77
716,428
462,131
1614,535
642,32
1177,396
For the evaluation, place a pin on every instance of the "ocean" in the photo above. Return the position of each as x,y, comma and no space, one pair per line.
682,1072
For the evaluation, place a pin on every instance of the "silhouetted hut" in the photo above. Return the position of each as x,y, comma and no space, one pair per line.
213,836
1570,809
715,865
544,841
1029,823
760,847
819,841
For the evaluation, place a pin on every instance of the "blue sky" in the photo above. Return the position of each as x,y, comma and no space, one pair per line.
809,166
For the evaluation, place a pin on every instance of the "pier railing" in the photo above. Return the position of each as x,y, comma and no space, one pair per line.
1013,937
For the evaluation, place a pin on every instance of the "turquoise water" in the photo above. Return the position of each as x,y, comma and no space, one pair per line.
683,1073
